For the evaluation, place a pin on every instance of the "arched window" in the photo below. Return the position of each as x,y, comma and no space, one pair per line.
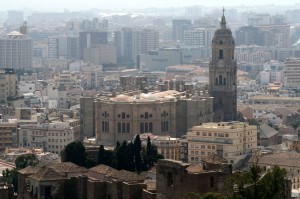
146,127
167,125
146,115
221,54
150,127
220,79
128,128
123,115
170,179
119,127
142,128
123,127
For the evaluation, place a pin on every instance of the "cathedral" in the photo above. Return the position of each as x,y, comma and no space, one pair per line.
223,74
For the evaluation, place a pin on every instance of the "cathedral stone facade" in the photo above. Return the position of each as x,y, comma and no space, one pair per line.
223,74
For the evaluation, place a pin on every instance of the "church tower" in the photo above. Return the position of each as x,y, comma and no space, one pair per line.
222,74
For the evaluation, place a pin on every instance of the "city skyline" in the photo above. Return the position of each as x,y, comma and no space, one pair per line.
130,4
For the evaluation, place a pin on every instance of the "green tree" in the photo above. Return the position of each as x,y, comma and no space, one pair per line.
75,152
255,184
22,161
106,157
129,158
121,156
11,177
137,149
240,117
26,160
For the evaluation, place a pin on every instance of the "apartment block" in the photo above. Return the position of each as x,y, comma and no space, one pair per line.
228,139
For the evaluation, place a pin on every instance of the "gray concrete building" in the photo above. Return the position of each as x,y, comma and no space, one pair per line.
15,51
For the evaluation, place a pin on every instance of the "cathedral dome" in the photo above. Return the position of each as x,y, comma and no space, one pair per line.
223,35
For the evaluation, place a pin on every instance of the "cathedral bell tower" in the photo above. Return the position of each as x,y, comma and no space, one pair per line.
222,74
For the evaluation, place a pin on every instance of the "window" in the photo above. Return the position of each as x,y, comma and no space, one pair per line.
204,133
150,127
198,133
202,152
142,127
209,134
202,146
128,128
170,179
123,115
123,127
220,79
119,127
221,54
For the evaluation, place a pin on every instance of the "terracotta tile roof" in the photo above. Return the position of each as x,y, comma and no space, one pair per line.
284,159
125,176
66,167
30,170
47,174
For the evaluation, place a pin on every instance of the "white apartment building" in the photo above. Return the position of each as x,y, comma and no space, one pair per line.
52,137
292,74
232,140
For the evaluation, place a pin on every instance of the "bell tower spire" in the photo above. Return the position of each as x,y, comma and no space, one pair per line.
222,74
223,21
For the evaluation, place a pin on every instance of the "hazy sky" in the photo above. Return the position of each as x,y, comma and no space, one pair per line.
118,4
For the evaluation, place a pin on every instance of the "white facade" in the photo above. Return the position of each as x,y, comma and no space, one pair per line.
52,137
26,87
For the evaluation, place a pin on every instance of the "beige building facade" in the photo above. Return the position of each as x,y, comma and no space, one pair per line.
7,131
169,113
229,139
8,85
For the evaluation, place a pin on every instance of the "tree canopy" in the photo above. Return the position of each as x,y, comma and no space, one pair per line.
22,161
130,156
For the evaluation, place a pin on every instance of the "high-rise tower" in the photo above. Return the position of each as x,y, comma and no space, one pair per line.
222,74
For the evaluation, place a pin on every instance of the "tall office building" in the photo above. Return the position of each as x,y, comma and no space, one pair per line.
223,74
150,40
178,28
89,38
276,35
249,35
63,46
128,45
15,51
